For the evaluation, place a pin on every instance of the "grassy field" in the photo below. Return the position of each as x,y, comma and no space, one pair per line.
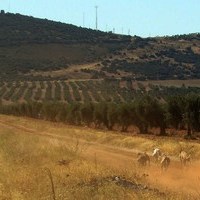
29,161
81,163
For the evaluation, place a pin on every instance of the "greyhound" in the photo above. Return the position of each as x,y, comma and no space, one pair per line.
156,154
184,158
165,162
143,159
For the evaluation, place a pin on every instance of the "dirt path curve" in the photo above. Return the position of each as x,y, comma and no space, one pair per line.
175,179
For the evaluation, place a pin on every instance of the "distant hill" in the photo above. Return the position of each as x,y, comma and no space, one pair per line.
18,29
28,43
176,57
40,49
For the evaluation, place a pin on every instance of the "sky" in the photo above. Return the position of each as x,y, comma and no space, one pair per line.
138,17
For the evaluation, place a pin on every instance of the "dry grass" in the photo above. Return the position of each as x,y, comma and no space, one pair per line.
24,175
169,145
23,172
28,159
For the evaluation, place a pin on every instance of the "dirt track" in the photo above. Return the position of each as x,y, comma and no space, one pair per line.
175,179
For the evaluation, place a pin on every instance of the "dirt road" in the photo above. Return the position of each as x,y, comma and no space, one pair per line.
175,179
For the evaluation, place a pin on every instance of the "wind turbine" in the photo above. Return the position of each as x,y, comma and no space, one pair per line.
96,8
83,19
9,6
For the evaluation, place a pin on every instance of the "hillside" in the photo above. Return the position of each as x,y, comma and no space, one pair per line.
31,44
43,60
40,49
165,58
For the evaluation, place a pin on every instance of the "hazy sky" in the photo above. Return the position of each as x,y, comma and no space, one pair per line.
142,17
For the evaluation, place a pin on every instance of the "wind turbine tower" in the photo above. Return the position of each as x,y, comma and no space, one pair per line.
83,20
9,6
96,8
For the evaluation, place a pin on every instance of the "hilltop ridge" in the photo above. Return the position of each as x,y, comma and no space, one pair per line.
17,29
